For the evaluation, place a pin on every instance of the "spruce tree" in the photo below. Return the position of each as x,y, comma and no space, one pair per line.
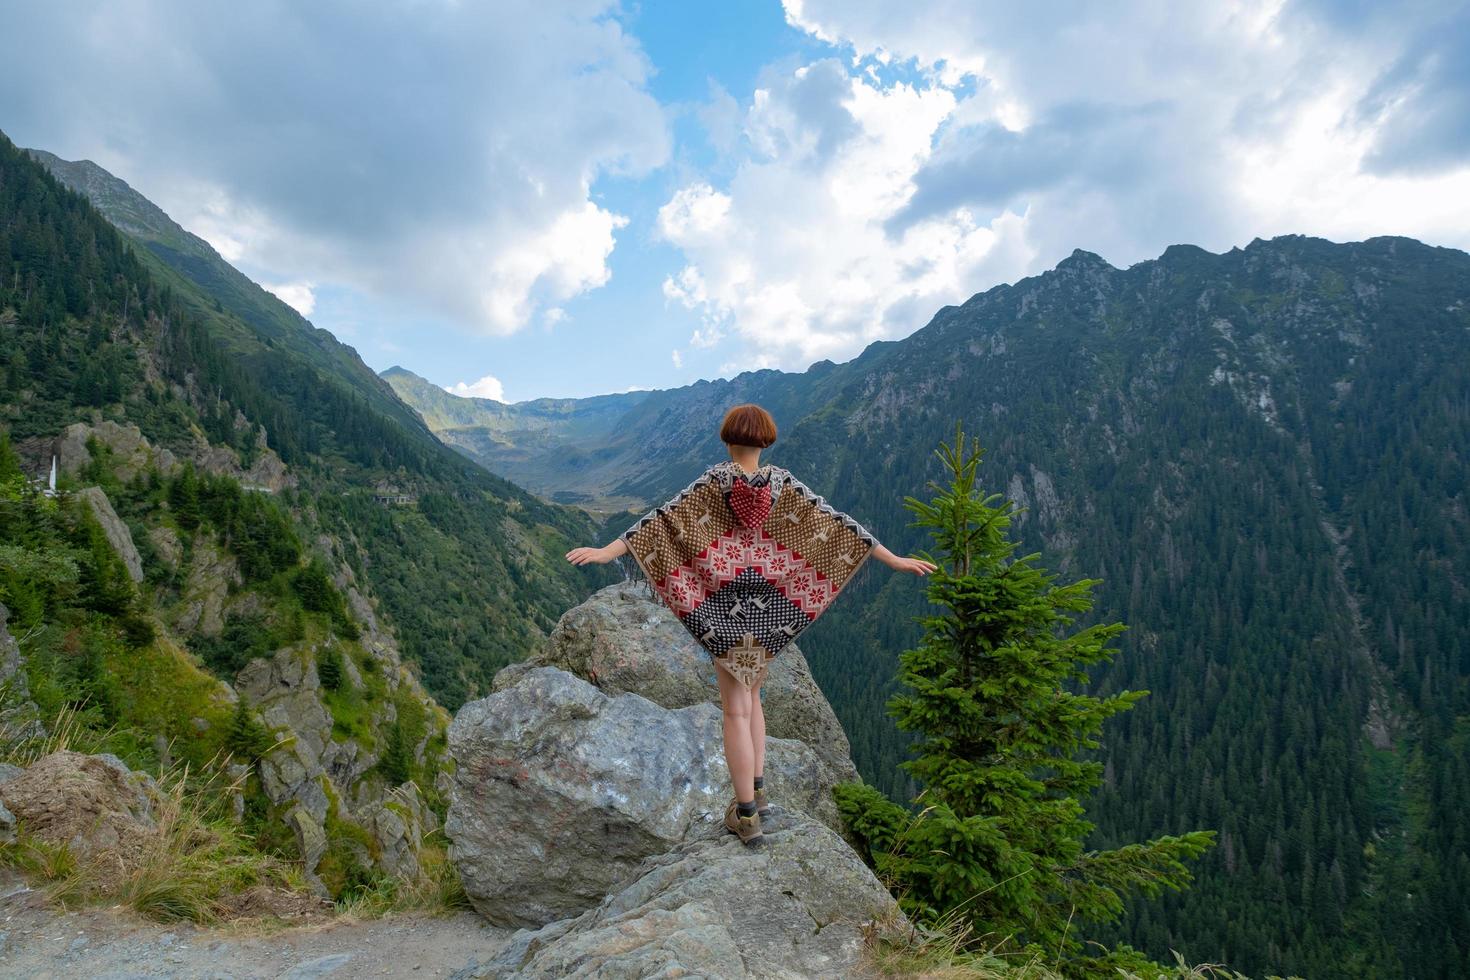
998,840
247,738
329,667
397,762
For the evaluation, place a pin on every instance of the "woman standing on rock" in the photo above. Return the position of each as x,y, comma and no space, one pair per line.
747,557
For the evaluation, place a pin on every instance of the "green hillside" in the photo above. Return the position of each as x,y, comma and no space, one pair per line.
469,570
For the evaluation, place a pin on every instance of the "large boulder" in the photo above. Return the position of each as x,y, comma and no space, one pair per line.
560,790
117,532
94,804
799,907
623,640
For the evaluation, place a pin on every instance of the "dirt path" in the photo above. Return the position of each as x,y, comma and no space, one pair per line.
40,943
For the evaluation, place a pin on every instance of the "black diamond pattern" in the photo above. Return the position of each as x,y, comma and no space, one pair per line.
745,604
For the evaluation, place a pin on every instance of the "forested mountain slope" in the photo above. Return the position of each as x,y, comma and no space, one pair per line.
468,569
1262,453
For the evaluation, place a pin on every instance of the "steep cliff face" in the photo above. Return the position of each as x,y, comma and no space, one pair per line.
467,568
347,735
587,806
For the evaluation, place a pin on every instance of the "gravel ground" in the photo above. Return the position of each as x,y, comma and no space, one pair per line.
45,944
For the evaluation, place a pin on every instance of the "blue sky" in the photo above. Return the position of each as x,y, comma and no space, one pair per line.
569,198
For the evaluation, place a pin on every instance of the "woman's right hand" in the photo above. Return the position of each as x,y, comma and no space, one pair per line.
589,556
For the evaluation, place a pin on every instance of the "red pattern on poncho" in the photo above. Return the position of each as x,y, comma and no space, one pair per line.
747,561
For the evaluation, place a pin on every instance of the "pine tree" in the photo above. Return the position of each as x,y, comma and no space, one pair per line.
397,761
247,738
990,693
329,667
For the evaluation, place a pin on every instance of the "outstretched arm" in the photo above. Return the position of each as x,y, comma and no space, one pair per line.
598,556
915,565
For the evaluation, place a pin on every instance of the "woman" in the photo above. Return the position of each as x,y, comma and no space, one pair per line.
747,557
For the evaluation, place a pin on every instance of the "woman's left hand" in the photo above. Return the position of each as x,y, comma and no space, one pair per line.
917,566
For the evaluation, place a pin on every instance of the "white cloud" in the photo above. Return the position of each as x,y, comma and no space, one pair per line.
794,257
437,154
300,296
487,387
957,145
1143,124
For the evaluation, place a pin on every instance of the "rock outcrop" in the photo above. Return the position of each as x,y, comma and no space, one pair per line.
622,639
94,804
130,453
587,806
317,775
798,907
561,790
19,719
212,576
117,532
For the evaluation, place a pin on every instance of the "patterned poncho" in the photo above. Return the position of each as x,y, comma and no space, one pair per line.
747,561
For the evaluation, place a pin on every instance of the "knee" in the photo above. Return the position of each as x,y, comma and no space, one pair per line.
739,712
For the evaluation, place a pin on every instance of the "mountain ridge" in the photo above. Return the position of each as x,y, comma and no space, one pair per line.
1260,455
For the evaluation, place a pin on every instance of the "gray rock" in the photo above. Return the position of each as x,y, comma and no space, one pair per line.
166,544
7,825
117,532
211,574
398,824
311,840
9,772
238,773
622,639
560,790
797,907
20,719
131,452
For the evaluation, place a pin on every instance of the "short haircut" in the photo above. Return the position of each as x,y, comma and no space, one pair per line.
748,425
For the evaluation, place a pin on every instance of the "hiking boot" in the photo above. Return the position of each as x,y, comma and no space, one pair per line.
748,829
762,805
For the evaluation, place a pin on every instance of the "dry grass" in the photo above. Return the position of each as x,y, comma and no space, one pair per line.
67,733
186,870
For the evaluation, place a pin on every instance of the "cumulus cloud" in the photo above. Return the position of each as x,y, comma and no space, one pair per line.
300,296
794,255
487,387
441,153
954,145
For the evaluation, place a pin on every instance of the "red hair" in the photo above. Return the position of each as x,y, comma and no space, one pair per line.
748,425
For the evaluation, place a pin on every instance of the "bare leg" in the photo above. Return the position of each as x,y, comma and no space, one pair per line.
736,701
758,726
